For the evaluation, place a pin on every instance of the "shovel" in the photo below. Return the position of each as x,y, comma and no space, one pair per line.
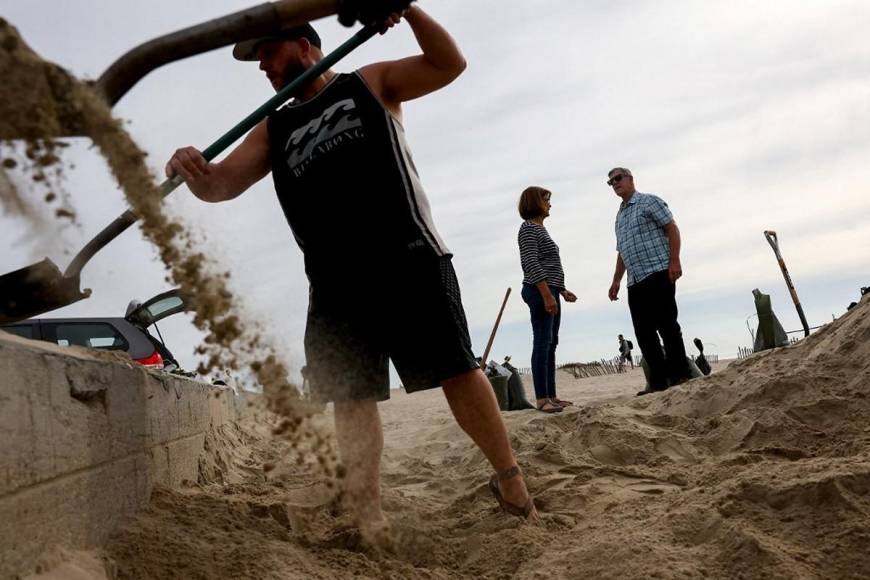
770,236
494,329
41,287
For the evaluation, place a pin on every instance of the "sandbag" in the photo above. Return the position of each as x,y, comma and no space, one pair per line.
770,332
500,388
703,365
517,400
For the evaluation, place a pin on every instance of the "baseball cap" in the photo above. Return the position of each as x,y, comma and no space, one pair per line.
247,49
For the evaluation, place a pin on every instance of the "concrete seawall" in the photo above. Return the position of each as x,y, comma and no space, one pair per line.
83,439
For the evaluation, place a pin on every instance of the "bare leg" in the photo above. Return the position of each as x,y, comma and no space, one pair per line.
361,442
475,407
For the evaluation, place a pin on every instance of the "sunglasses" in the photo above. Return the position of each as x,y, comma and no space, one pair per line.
615,179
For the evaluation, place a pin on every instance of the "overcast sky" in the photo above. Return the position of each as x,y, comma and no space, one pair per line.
743,115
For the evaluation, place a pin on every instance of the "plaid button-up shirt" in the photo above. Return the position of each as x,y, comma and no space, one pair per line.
640,235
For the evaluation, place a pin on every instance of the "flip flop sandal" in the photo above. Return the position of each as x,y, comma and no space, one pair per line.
506,506
553,408
564,403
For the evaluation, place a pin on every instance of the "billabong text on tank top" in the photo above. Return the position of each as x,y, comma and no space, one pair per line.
336,125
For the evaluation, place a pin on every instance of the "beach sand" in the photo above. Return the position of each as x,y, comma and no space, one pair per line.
760,470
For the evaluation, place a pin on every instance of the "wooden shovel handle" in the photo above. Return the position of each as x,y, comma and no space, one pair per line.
494,329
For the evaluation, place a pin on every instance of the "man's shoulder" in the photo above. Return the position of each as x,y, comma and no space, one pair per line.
650,198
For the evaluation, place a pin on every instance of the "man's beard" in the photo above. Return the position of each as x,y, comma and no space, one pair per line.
292,72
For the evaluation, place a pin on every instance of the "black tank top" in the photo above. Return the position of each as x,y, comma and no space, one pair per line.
347,184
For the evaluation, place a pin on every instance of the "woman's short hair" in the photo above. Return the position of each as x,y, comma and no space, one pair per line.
533,202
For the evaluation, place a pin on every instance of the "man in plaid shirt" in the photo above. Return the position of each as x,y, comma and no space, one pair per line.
648,247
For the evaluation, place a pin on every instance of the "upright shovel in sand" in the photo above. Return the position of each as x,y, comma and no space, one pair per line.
494,330
41,287
499,383
770,236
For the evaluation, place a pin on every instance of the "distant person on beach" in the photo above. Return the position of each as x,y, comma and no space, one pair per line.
648,248
543,285
382,285
625,348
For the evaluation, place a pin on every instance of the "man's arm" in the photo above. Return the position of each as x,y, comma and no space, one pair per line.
397,81
244,166
617,277
675,269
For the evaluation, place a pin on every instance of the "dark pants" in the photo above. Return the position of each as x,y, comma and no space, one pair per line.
350,337
545,337
654,310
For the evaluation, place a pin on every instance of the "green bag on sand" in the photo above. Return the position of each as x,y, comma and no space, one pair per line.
500,388
509,392
517,400
770,332
694,371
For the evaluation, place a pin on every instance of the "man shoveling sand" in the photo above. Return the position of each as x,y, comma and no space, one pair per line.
351,194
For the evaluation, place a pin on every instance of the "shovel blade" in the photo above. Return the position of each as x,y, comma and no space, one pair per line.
36,289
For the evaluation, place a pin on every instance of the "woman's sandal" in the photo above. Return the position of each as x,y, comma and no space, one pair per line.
506,506
549,407
562,403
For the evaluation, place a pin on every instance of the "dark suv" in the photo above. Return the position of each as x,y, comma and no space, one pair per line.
129,333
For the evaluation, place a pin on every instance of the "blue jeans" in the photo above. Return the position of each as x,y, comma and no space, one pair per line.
545,337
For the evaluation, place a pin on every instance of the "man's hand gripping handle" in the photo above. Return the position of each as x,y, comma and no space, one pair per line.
369,12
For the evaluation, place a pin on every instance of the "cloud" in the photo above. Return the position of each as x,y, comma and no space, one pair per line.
744,119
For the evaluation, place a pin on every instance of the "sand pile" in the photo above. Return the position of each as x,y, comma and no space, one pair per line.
31,114
760,470
40,101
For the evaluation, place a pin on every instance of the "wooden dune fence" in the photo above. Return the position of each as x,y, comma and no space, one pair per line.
603,367
589,369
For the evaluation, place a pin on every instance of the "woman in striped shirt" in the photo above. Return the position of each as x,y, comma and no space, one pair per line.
543,284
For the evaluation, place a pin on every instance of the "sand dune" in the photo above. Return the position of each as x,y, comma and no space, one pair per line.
760,470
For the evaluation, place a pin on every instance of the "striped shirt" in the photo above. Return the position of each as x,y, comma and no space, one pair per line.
539,256
640,235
